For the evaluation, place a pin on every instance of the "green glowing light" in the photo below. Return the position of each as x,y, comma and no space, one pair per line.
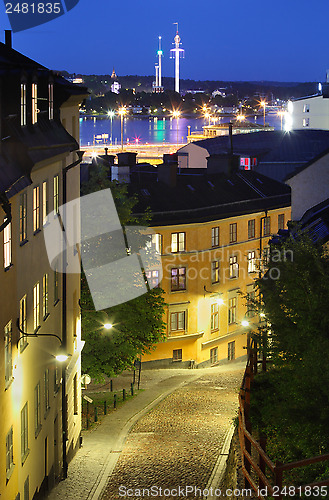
160,53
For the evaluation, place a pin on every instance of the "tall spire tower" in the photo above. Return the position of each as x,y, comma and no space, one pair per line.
176,53
157,85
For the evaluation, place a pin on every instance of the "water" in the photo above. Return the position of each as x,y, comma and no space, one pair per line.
151,130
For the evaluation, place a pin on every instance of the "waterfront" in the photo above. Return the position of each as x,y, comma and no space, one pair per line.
151,130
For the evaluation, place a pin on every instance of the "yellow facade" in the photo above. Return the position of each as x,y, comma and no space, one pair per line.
31,404
204,320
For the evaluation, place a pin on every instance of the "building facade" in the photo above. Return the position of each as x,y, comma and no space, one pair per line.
39,170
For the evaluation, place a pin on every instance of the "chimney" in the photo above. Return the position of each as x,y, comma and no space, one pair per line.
167,173
8,41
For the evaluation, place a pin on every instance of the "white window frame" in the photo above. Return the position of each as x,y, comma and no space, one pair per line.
36,209
34,103
215,236
45,296
24,432
36,306
50,101
9,452
177,321
252,261
23,104
22,321
44,203
7,246
178,242
8,333
234,267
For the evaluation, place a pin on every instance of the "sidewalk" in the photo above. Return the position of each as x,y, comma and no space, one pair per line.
105,454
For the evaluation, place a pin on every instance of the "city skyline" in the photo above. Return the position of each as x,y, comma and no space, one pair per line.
236,41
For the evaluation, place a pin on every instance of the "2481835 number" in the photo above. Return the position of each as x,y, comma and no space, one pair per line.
33,8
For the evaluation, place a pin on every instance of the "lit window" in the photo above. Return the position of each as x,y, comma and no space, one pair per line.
178,278
9,452
215,267
215,236
155,242
36,209
280,221
231,351
245,163
233,232
306,108
252,262
234,267
45,298
36,306
8,352
37,408
306,122
152,278
251,229
24,432
23,104
213,355
50,101
232,310
22,322
214,317
34,103
266,226
7,248
46,387
177,355
177,321
177,242
22,217
56,194
44,203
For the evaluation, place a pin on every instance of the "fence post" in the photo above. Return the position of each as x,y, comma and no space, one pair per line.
114,401
247,393
132,388
111,385
95,413
105,407
88,423
278,473
123,394
247,445
262,464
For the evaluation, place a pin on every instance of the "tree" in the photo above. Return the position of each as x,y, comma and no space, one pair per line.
137,324
290,401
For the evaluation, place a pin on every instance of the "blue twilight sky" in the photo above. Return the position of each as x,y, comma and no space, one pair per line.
284,40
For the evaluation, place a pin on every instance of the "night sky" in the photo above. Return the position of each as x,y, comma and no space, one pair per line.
283,40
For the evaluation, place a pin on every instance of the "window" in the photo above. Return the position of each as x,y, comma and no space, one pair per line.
215,267
214,317
280,221
23,104
56,379
45,307
234,267
152,278
75,394
266,255
177,321
233,232
56,286
50,101
37,408
306,108
177,242
231,351
22,217
245,163
306,122
36,209
9,452
266,226
178,278
44,203
177,355
36,306
232,310
22,322
24,433
46,387
34,103
7,253
56,194
251,229
252,262
213,355
27,488
215,236
8,352
155,242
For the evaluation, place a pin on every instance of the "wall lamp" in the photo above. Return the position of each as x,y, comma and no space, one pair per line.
219,300
60,357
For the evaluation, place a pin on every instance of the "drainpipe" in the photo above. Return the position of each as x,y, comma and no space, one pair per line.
64,314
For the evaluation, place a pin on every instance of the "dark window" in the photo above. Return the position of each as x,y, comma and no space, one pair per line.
214,355
215,236
177,355
232,310
233,232
231,351
280,221
251,228
267,226
178,278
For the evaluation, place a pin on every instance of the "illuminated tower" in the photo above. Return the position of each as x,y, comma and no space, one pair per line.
157,85
176,53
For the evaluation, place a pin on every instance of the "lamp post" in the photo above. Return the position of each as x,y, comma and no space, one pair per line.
122,112
176,114
111,114
263,105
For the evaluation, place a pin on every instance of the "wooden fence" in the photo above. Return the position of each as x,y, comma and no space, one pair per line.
261,474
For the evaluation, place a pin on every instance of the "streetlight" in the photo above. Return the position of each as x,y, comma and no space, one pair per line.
176,114
207,115
106,325
122,112
111,114
281,114
62,356
263,105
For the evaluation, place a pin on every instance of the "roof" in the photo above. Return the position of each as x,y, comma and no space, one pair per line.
198,197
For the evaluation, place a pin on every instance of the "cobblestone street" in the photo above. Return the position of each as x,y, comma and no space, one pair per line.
178,442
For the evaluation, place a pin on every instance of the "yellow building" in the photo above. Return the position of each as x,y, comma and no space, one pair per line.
211,230
40,399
